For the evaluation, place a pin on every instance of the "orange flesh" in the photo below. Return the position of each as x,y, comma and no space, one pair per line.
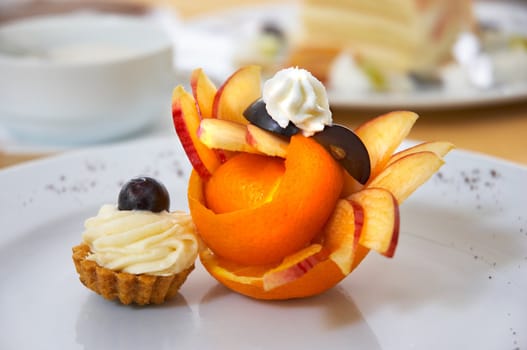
244,181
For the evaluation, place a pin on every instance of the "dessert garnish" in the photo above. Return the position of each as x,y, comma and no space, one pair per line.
257,114
299,103
289,214
347,149
294,95
137,252
144,193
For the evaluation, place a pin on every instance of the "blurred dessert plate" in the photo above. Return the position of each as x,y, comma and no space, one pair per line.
83,77
502,51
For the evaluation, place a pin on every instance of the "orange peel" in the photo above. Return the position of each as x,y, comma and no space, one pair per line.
308,190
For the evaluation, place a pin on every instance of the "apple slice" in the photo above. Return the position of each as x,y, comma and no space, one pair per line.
341,236
382,136
224,135
266,142
297,265
379,211
186,120
441,148
204,91
238,92
406,174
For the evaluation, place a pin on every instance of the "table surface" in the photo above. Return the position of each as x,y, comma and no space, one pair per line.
497,130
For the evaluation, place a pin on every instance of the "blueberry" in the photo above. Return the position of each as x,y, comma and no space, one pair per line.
347,148
144,193
257,114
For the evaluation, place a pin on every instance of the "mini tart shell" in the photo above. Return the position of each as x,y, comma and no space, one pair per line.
128,288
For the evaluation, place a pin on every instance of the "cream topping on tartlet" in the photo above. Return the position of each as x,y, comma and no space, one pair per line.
295,95
140,241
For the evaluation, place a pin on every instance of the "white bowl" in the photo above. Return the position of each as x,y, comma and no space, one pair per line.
83,78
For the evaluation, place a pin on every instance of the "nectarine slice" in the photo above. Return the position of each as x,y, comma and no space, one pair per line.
380,219
224,135
238,92
266,142
405,175
441,148
342,232
382,135
204,91
186,120
293,267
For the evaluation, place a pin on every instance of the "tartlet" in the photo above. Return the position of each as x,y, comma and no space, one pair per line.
127,288
137,252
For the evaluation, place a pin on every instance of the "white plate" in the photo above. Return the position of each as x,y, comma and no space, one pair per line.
223,31
457,281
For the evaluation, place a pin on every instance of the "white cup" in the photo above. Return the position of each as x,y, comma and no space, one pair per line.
83,78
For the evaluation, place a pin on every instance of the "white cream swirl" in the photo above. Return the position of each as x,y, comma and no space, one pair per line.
141,242
295,95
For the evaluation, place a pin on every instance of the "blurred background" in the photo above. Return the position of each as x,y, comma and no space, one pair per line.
77,73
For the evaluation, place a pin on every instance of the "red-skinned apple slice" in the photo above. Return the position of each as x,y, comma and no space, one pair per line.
186,122
341,235
405,175
224,135
266,142
441,148
204,91
380,219
238,92
382,136
297,264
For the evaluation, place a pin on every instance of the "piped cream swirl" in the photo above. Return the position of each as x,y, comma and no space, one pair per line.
295,95
141,242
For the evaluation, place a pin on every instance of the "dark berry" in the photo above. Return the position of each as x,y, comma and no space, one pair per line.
257,114
144,193
347,148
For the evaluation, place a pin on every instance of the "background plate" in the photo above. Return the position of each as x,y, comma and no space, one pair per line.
457,281
223,32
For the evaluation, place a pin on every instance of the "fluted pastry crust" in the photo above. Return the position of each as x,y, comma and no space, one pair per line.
127,288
